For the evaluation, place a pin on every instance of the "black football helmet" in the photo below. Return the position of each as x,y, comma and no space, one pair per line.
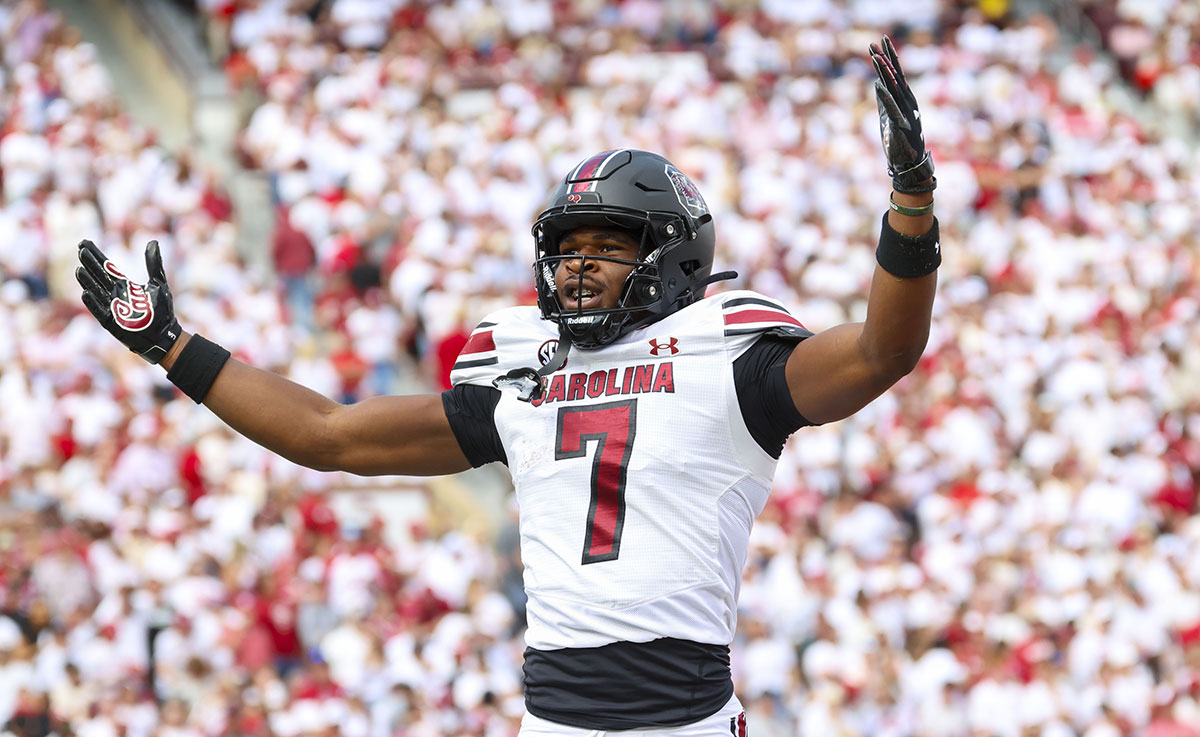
644,195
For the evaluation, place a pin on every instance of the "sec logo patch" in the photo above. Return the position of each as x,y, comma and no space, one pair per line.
547,351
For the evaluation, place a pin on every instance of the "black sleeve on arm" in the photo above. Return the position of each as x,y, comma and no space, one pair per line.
470,410
760,378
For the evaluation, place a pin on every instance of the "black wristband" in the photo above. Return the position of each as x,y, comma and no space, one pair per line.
906,256
196,367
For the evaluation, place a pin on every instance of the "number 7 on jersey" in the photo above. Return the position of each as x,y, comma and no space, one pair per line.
612,426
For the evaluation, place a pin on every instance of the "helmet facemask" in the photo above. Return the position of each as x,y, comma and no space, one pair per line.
642,297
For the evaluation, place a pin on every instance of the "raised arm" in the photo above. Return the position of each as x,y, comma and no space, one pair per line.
384,435
839,371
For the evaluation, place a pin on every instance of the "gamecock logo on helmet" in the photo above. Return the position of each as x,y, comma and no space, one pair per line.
134,312
686,191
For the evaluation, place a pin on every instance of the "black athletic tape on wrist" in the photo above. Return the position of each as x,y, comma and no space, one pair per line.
908,257
196,367
917,179
900,186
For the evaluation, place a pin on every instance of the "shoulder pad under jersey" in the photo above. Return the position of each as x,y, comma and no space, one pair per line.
515,337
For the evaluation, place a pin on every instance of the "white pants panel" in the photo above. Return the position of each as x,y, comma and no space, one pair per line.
730,721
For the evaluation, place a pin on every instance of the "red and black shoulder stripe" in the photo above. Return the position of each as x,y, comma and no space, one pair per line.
756,314
480,349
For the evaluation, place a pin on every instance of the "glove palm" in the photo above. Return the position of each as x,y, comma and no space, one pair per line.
141,316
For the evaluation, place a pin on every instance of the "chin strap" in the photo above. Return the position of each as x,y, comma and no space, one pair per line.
700,286
528,383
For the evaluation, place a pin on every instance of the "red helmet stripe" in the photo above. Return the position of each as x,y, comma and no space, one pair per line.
588,168
594,167
603,164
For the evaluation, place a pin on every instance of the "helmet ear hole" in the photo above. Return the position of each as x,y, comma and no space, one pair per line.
690,267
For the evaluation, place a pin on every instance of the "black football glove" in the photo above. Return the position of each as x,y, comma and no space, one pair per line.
909,163
141,316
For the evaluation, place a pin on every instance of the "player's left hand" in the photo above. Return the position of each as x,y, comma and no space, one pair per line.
900,124
142,316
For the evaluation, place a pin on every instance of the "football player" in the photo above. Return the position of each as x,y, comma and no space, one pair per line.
640,420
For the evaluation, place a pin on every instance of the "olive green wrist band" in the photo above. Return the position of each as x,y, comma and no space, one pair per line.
912,211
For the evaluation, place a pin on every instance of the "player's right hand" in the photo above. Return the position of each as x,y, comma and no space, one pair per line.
142,316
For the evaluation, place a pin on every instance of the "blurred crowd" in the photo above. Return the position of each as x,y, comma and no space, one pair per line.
1154,45
1004,544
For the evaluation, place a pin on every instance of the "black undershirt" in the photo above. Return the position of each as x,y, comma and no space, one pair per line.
760,379
628,685
471,411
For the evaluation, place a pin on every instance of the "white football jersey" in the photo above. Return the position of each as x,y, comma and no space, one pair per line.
636,477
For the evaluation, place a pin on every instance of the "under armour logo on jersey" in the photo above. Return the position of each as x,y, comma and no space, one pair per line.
660,348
